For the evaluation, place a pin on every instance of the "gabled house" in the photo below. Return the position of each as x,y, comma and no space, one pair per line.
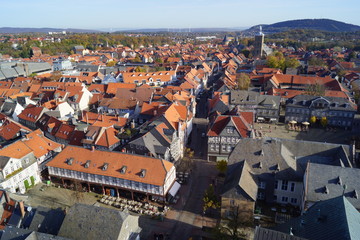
225,132
12,109
30,115
18,168
160,140
64,133
79,97
265,107
103,138
10,130
120,107
240,191
278,167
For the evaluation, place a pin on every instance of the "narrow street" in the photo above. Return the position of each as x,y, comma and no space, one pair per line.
190,219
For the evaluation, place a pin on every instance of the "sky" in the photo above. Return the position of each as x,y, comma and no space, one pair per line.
138,14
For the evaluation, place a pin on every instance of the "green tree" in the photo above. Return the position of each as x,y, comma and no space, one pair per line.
315,61
27,185
158,60
276,60
32,179
291,63
221,166
246,53
243,81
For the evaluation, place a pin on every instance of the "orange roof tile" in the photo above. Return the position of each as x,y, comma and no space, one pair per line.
156,169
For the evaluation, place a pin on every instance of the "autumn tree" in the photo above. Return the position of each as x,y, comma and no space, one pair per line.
140,69
312,120
323,121
210,199
110,63
243,81
137,59
277,60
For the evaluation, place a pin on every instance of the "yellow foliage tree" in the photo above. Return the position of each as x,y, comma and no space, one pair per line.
312,119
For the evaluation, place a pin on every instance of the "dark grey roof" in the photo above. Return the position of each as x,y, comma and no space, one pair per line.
243,97
239,182
332,219
3,161
287,158
15,233
47,220
8,108
92,223
87,68
268,234
334,103
333,178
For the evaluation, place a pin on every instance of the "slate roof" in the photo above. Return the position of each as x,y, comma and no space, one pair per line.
91,222
47,220
269,159
333,178
331,219
334,103
243,97
268,234
239,182
157,140
15,233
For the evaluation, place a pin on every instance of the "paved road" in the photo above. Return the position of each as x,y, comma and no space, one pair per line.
185,219
190,219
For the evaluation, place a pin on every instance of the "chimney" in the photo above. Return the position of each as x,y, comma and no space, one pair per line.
7,197
22,208
92,148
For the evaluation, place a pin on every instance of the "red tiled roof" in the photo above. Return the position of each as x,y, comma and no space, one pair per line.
31,113
241,122
156,169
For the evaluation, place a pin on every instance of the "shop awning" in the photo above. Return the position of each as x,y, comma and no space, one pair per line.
174,189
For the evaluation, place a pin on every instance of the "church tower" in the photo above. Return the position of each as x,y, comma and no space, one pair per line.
259,44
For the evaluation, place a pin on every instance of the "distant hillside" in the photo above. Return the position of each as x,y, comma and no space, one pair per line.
182,30
312,24
43,30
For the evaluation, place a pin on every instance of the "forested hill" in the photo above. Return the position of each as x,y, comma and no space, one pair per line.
313,24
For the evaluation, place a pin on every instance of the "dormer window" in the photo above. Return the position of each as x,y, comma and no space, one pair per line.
105,166
69,161
142,173
87,164
123,169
